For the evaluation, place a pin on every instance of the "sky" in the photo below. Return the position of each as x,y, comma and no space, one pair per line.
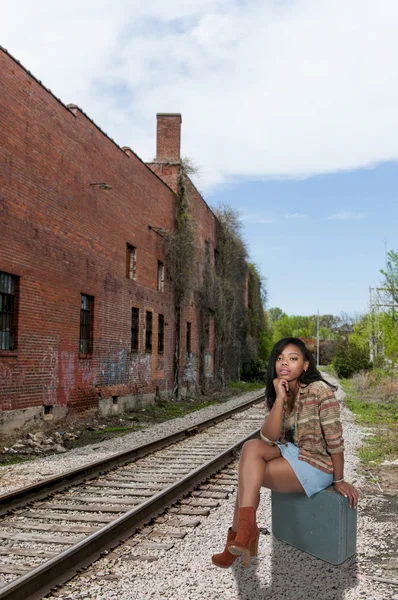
289,111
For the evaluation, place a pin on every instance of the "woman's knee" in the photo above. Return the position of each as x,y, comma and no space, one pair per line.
256,446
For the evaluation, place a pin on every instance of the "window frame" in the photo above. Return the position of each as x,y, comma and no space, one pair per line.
9,302
161,324
188,338
86,343
160,276
148,330
131,262
135,319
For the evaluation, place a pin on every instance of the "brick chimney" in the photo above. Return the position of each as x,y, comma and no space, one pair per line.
168,137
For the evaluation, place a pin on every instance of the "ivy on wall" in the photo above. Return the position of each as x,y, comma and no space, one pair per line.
224,288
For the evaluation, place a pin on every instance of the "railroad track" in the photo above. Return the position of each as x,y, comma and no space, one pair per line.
51,530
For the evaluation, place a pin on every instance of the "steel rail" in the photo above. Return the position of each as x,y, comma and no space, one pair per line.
37,491
40,581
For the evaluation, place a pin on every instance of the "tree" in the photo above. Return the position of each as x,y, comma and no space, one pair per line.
275,314
391,282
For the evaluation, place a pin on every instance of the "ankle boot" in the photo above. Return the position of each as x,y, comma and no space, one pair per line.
246,540
225,559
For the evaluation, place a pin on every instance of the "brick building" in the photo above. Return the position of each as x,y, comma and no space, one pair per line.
86,311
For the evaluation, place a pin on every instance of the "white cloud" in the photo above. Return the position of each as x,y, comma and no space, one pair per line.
257,218
345,216
266,88
295,216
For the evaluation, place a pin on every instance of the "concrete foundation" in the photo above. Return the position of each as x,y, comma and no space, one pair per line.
11,420
118,405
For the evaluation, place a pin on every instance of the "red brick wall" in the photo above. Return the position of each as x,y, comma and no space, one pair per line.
64,237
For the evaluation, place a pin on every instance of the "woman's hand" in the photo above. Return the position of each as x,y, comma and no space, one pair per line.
281,387
348,491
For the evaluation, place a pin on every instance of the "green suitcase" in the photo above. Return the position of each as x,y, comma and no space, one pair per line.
322,525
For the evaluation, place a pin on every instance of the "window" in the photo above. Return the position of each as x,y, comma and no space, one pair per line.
160,276
131,261
148,332
86,324
189,350
135,320
161,333
8,301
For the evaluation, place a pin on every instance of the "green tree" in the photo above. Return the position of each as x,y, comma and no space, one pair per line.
275,314
349,358
294,326
391,281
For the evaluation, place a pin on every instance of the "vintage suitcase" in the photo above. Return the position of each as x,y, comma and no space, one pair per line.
322,525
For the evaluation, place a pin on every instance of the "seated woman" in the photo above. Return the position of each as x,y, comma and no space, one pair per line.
301,447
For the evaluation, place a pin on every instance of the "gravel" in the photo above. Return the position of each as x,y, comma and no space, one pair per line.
185,572
15,476
280,572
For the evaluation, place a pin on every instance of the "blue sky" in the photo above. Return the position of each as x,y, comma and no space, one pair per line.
289,109
320,242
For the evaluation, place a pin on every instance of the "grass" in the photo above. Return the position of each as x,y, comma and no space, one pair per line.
328,369
113,430
371,409
247,386
7,459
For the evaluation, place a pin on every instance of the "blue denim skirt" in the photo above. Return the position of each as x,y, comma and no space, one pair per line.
312,479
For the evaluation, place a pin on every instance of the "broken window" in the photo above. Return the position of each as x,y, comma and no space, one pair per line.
189,332
148,332
135,319
131,261
160,276
161,333
8,301
86,324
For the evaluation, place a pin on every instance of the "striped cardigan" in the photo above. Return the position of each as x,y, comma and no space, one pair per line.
318,428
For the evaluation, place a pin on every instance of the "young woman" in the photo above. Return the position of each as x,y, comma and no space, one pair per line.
301,447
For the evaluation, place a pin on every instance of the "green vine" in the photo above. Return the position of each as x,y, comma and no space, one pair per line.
180,247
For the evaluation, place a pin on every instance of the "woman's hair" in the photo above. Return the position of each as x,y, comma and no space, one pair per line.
310,375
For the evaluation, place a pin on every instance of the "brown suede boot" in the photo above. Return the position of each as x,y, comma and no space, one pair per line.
246,540
225,559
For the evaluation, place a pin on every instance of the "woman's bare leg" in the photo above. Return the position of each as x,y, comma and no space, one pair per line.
255,455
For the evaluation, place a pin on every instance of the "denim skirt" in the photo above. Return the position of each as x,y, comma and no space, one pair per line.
312,479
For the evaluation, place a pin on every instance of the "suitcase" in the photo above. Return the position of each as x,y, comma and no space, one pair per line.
322,525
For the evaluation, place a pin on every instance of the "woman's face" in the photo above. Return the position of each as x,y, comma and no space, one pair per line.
290,363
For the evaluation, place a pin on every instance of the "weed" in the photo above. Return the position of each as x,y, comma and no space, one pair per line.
372,406
247,386
112,430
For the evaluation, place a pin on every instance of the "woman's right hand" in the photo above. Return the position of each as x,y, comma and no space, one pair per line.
281,386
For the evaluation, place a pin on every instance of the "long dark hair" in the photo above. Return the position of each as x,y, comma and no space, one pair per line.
309,376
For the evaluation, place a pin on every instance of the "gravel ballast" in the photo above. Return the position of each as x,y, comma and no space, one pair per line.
185,571
280,572
15,476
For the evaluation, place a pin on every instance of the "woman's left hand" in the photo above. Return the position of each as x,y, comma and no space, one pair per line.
348,491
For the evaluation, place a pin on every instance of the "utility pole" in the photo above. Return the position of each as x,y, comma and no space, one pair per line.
317,340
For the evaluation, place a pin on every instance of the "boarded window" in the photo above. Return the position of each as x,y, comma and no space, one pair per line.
131,262
160,276
8,301
86,324
135,320
189,333
161,333
148,332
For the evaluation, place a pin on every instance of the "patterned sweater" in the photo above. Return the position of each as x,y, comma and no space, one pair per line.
318,429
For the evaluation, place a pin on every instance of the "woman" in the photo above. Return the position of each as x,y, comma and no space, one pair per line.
301,447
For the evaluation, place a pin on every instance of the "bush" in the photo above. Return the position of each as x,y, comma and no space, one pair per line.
254,371
349,358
